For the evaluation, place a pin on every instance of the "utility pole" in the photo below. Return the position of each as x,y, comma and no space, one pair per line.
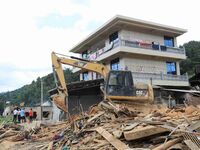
41,98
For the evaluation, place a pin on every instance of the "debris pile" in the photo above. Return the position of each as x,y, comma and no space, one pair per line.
112,126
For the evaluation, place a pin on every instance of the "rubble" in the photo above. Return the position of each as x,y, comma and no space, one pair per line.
113,126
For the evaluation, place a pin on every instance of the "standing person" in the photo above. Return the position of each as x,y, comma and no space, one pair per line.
35,115
18,115
30,115
15,115
22,115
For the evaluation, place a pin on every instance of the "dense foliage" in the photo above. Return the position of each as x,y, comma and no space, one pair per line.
193,57
31,94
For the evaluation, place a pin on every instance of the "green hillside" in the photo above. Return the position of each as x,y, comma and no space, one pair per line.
30,94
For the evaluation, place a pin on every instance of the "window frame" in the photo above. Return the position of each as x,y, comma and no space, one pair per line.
167,40
113,36
114,64
171,67
84,53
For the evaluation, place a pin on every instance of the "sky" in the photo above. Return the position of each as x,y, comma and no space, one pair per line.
31,29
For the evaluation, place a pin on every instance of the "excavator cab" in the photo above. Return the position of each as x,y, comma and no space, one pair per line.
120,86
120,83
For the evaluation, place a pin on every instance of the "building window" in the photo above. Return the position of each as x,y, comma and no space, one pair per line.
169,41
171,68
45,114
113,36
114,64
85,55
85,76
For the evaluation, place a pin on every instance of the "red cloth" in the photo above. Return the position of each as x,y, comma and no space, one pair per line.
31,113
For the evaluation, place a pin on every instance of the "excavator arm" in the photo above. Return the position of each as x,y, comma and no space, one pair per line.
118,85
60,97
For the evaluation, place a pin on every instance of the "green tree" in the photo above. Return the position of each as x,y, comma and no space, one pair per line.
193,57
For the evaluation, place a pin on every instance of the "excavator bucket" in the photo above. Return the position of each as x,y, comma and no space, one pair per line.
59,99
60,102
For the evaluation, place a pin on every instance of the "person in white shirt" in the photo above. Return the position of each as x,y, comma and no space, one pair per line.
15,115
18,115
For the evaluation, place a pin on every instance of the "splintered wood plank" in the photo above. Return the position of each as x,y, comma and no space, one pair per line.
168,144
95,116
50,146
143,132
195,126
119,145
130,127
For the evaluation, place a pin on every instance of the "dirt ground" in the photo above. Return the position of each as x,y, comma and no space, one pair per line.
25,145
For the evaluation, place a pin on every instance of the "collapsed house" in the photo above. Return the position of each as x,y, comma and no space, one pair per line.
111,126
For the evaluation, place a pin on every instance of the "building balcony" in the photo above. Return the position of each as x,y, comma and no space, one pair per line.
155,47
161,79
139,48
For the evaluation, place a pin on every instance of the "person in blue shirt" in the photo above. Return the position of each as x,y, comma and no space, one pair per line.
22,115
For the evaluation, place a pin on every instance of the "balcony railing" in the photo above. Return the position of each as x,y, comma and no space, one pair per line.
135,44
155,76
156,47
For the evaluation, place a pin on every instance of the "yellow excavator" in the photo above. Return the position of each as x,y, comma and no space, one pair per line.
118,85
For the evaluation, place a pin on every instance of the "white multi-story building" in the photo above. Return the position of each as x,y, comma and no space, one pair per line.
148,49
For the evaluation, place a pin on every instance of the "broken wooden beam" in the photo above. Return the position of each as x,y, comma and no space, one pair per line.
139,133
195,126
168,144
130,127
119,145
8,133
50,146
95,116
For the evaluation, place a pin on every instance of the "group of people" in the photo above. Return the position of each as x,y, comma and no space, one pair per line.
20,116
